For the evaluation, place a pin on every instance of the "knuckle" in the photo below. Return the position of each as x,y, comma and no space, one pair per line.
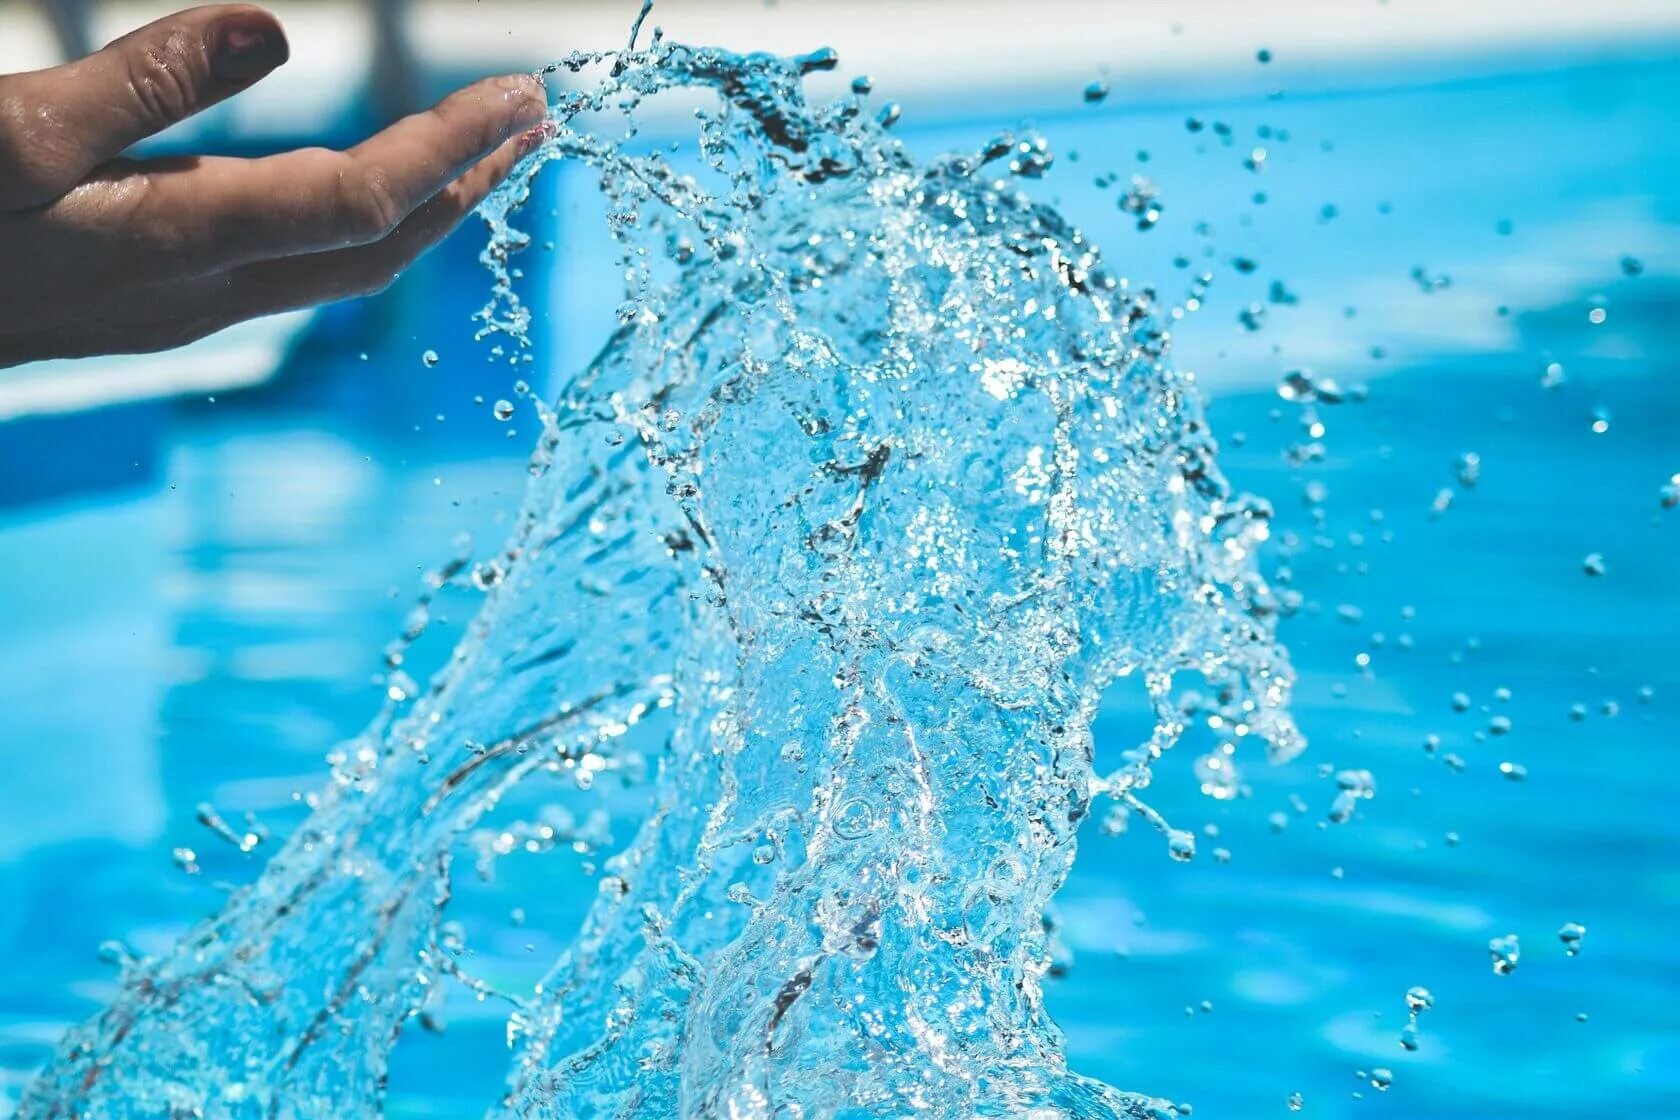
370,206
35,166
163,76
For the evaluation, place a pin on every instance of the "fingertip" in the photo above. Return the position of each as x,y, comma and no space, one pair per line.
246,44
527,97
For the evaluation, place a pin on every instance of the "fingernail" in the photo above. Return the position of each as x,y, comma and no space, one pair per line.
529,97
531,139
244,48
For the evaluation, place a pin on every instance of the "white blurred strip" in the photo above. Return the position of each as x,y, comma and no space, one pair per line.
239,357
933,49
956,47
26,39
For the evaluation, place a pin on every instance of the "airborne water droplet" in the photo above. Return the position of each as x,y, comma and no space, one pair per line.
1505,952
1181,845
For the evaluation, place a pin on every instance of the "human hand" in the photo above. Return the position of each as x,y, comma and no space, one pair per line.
103,254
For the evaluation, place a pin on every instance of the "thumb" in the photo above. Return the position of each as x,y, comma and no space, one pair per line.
74,117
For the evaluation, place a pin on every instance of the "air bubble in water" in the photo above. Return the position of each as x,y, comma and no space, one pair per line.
1593,565
429,359
502,410
1572,934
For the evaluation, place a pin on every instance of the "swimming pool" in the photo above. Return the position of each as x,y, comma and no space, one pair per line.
207,631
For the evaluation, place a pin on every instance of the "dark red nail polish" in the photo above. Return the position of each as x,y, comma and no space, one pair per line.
245,48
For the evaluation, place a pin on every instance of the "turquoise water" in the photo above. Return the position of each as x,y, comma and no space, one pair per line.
273,554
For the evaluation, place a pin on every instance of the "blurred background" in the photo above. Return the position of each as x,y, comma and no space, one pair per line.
1465,213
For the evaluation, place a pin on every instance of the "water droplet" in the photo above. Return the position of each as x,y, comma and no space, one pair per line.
1418,1000
487,575
1181,845
1354,786
1096,92
1428,284
1505,952
1263,55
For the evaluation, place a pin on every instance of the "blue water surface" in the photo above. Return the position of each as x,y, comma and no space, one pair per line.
202,620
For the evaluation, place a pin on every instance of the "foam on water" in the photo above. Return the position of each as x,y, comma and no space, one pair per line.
882,480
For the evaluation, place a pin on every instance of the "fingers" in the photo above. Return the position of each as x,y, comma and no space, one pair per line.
190,217
57,125
301,281
160,316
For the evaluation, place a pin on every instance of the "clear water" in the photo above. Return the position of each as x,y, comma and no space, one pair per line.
1280,948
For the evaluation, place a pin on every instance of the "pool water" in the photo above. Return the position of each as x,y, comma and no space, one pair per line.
209,628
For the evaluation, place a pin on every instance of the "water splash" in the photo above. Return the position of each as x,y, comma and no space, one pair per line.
883,479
